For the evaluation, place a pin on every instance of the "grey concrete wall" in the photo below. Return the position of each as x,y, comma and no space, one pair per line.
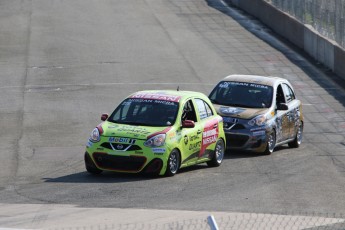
303,36
320,48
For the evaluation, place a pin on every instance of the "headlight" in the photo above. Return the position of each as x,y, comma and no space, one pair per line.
155,141
258,121
95,137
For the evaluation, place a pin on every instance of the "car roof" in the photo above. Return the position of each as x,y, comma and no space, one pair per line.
170,95
263,80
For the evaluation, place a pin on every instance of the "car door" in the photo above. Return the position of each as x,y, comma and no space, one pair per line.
210,129
282,119
191,137
293,110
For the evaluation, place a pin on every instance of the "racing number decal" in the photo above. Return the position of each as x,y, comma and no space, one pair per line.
209,135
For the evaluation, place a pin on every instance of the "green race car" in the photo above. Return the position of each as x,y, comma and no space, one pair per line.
157,132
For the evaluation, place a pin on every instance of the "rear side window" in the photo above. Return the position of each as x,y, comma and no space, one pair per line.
289,94
204,109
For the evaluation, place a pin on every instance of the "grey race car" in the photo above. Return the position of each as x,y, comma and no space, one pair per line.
259,113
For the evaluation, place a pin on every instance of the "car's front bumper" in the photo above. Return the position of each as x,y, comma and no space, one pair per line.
245,139
146,160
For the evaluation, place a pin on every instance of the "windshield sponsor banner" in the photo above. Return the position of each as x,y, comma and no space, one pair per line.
227,84
140,100
156,96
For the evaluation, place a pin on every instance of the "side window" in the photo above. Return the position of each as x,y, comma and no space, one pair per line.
208,110
289,94
280,98
188,112
203,109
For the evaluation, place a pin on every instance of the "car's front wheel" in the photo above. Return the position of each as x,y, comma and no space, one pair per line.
271,143
298,138
218,154
90,166
173,163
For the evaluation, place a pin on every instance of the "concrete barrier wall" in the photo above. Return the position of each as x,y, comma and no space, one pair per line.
320,48
339,61
303,36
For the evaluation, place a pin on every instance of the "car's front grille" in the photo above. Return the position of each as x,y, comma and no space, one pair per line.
227,125
120,147
121,163
235,140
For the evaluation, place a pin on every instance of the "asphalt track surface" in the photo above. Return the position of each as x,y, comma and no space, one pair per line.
63,63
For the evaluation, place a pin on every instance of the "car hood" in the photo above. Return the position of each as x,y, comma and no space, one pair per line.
132,131
239,112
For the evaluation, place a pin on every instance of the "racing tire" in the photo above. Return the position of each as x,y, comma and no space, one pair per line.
218,154
173,163
271,143
90,166
298,138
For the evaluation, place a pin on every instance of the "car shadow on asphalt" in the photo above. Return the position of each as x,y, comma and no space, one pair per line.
104,177
113,177
231,154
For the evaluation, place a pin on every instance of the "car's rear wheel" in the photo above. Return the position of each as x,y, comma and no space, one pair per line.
90,166
298,138
218,154
173,163
271,143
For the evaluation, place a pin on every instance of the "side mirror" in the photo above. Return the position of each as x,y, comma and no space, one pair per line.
104,116
282,106
188,124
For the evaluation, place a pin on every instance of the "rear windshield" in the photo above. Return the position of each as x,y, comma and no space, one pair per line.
242,94
146,112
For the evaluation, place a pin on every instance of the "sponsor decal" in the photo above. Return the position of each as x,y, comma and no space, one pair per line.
172,135
159,151
157,96
185,139
121,140
209,135
194,137
231,110
134,130
152,101
195,146
259,133
226,84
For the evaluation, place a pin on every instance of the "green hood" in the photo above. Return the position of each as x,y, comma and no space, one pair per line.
132,131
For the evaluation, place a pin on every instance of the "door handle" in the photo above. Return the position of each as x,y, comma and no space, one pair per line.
215,126
198,132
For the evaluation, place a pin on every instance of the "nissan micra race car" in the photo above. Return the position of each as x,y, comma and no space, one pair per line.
259,113
157,132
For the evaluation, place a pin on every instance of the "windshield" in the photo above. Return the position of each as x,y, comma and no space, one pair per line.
146,112
242,94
